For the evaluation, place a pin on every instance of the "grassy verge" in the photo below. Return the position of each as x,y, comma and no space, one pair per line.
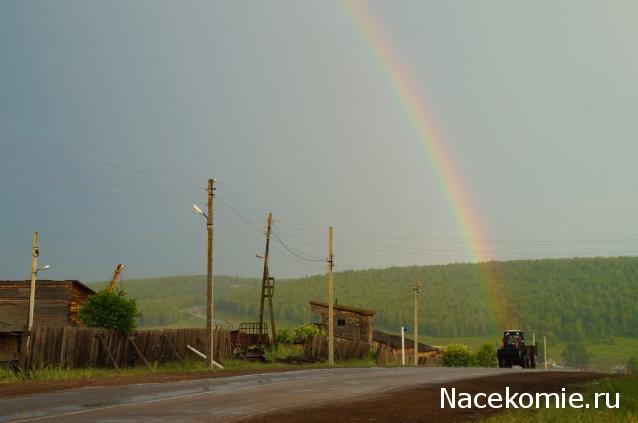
627,387
606,353
274,362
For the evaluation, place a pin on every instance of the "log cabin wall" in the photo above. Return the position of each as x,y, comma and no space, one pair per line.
57,303
350,322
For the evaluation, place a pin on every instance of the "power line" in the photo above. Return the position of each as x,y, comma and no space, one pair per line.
90,179
50,178
250,208
245,219
359,233
291,251
90,159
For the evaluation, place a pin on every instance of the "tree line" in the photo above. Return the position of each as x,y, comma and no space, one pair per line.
578,298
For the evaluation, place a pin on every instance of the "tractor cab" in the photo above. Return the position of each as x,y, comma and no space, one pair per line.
514,352
515,338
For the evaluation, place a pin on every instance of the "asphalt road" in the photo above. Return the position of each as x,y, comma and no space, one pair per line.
224,399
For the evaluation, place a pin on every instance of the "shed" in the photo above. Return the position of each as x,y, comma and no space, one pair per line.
57,303
349,322
388,347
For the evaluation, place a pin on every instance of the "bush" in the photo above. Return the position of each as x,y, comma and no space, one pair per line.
110,310
303,332
285,336
458,355
486,356
632,366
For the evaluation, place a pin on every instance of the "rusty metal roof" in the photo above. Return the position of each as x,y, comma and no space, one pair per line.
395,341
41,282
346,308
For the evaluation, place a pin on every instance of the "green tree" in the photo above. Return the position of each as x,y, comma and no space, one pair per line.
486,356
110,310
458,355
576,355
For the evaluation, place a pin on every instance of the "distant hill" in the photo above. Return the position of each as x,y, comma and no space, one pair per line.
581,298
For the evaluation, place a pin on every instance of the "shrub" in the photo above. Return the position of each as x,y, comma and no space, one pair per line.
303,332
285,336
110,310
486,356
458,355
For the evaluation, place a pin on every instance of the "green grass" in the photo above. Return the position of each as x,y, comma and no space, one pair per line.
628,411
284,351
606,353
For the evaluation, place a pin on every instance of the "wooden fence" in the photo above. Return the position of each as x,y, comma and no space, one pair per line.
93,347
392,357
316,348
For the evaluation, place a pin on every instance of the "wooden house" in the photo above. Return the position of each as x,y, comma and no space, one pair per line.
57,303
388,347
349,322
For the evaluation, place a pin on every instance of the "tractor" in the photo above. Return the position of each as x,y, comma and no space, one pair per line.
514,351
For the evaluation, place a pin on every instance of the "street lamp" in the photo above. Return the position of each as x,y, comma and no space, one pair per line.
30,316
45,267
210,325
198,210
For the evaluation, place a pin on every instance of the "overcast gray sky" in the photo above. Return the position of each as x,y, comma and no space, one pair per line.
284,103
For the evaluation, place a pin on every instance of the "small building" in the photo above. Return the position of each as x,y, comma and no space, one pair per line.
389,350
57,303
349,322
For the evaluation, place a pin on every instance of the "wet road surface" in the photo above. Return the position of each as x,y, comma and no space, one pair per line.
224,399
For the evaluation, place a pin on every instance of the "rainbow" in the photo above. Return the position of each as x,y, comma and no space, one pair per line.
449,179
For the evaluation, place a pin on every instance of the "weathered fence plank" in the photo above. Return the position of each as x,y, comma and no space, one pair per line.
95,347
316,348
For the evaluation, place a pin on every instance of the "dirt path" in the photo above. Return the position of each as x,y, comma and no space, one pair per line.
423,404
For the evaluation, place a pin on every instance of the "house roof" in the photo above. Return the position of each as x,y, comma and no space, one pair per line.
346,308
395,341
41,282
51,305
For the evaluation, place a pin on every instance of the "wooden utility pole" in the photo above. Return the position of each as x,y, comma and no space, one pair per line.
30,318
403,345
331,311
210,325
545,349
416,323
267,288
115,280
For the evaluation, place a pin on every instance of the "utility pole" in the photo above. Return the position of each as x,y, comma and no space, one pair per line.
267,288
403,345
210,325
545,349
331,320
115,280
416,323
34,272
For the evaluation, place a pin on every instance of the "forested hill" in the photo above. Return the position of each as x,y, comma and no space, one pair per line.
573,298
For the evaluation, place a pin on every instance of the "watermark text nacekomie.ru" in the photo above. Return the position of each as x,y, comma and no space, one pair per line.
452,399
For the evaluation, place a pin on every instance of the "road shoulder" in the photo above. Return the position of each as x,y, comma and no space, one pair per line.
423,404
